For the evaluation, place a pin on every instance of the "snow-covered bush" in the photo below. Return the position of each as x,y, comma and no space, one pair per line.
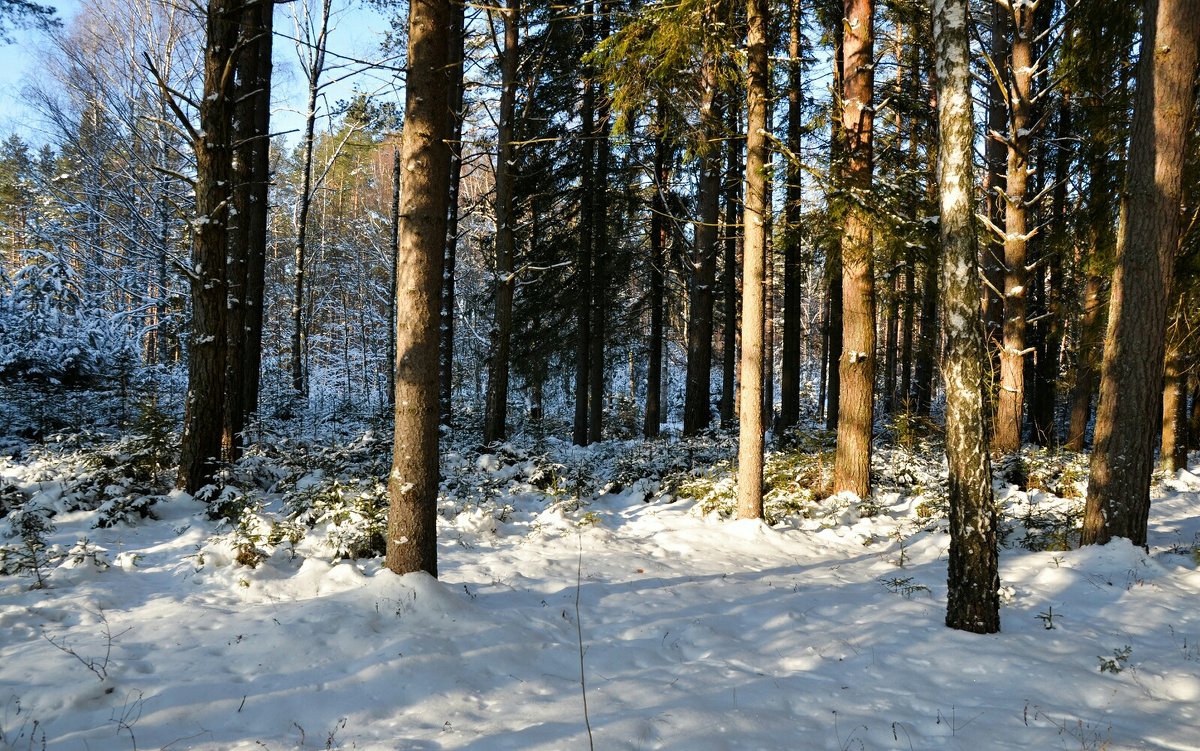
50,331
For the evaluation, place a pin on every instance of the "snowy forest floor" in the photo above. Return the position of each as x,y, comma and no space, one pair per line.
822,629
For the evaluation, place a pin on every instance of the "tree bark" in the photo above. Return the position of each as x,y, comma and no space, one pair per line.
731,232
1010,400
973,595
833,258
1044,405
496,411
248,233
587,226
697,413
757,210
413,482
450,259
600,255
995,157
1173,456
203,420
658,265
852,464
315,66
1118,502
793,252
1087,356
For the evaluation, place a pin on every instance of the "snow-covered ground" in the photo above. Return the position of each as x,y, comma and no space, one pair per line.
824,631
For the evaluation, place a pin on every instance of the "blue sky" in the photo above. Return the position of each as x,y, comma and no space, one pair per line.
356,35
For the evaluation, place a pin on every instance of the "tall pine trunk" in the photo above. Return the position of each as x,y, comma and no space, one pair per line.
852,464
413,482
793,258
731,231
1118,502
450,258
1173,456
697,413
658,266
203,416
1010,400
496,410
600,254
754,255
248,238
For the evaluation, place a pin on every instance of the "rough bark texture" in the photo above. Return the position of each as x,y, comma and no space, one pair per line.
583,262
833,259
852,465
314,67
754,253
1010,399
395,251
973,596
496,410
1088,359
600,253
697,413
1118,503
658,261
1043,406
248,235
450,259
731,231
1173,456
203,418
793,260
995,155
413,482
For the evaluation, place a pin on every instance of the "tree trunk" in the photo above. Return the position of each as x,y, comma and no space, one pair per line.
600,254
833,258
852,464
697,413
395,270
496,413
731,233
203,419
413,482
1044,423
658,265
456,112
248,231
1085,368
1118,502
315,66
757,209
995,156
793,253
1010,400
973,593
587,226
1173,456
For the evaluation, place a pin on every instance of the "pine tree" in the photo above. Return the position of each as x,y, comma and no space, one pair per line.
213,146
425,156
1118,502
852,468
754,254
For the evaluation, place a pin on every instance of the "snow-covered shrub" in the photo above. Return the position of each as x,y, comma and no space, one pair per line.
51,332
32,554
352,515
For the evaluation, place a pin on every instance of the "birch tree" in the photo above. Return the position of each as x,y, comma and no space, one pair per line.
973,597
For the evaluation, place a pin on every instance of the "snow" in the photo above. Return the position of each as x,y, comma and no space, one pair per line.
824,631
